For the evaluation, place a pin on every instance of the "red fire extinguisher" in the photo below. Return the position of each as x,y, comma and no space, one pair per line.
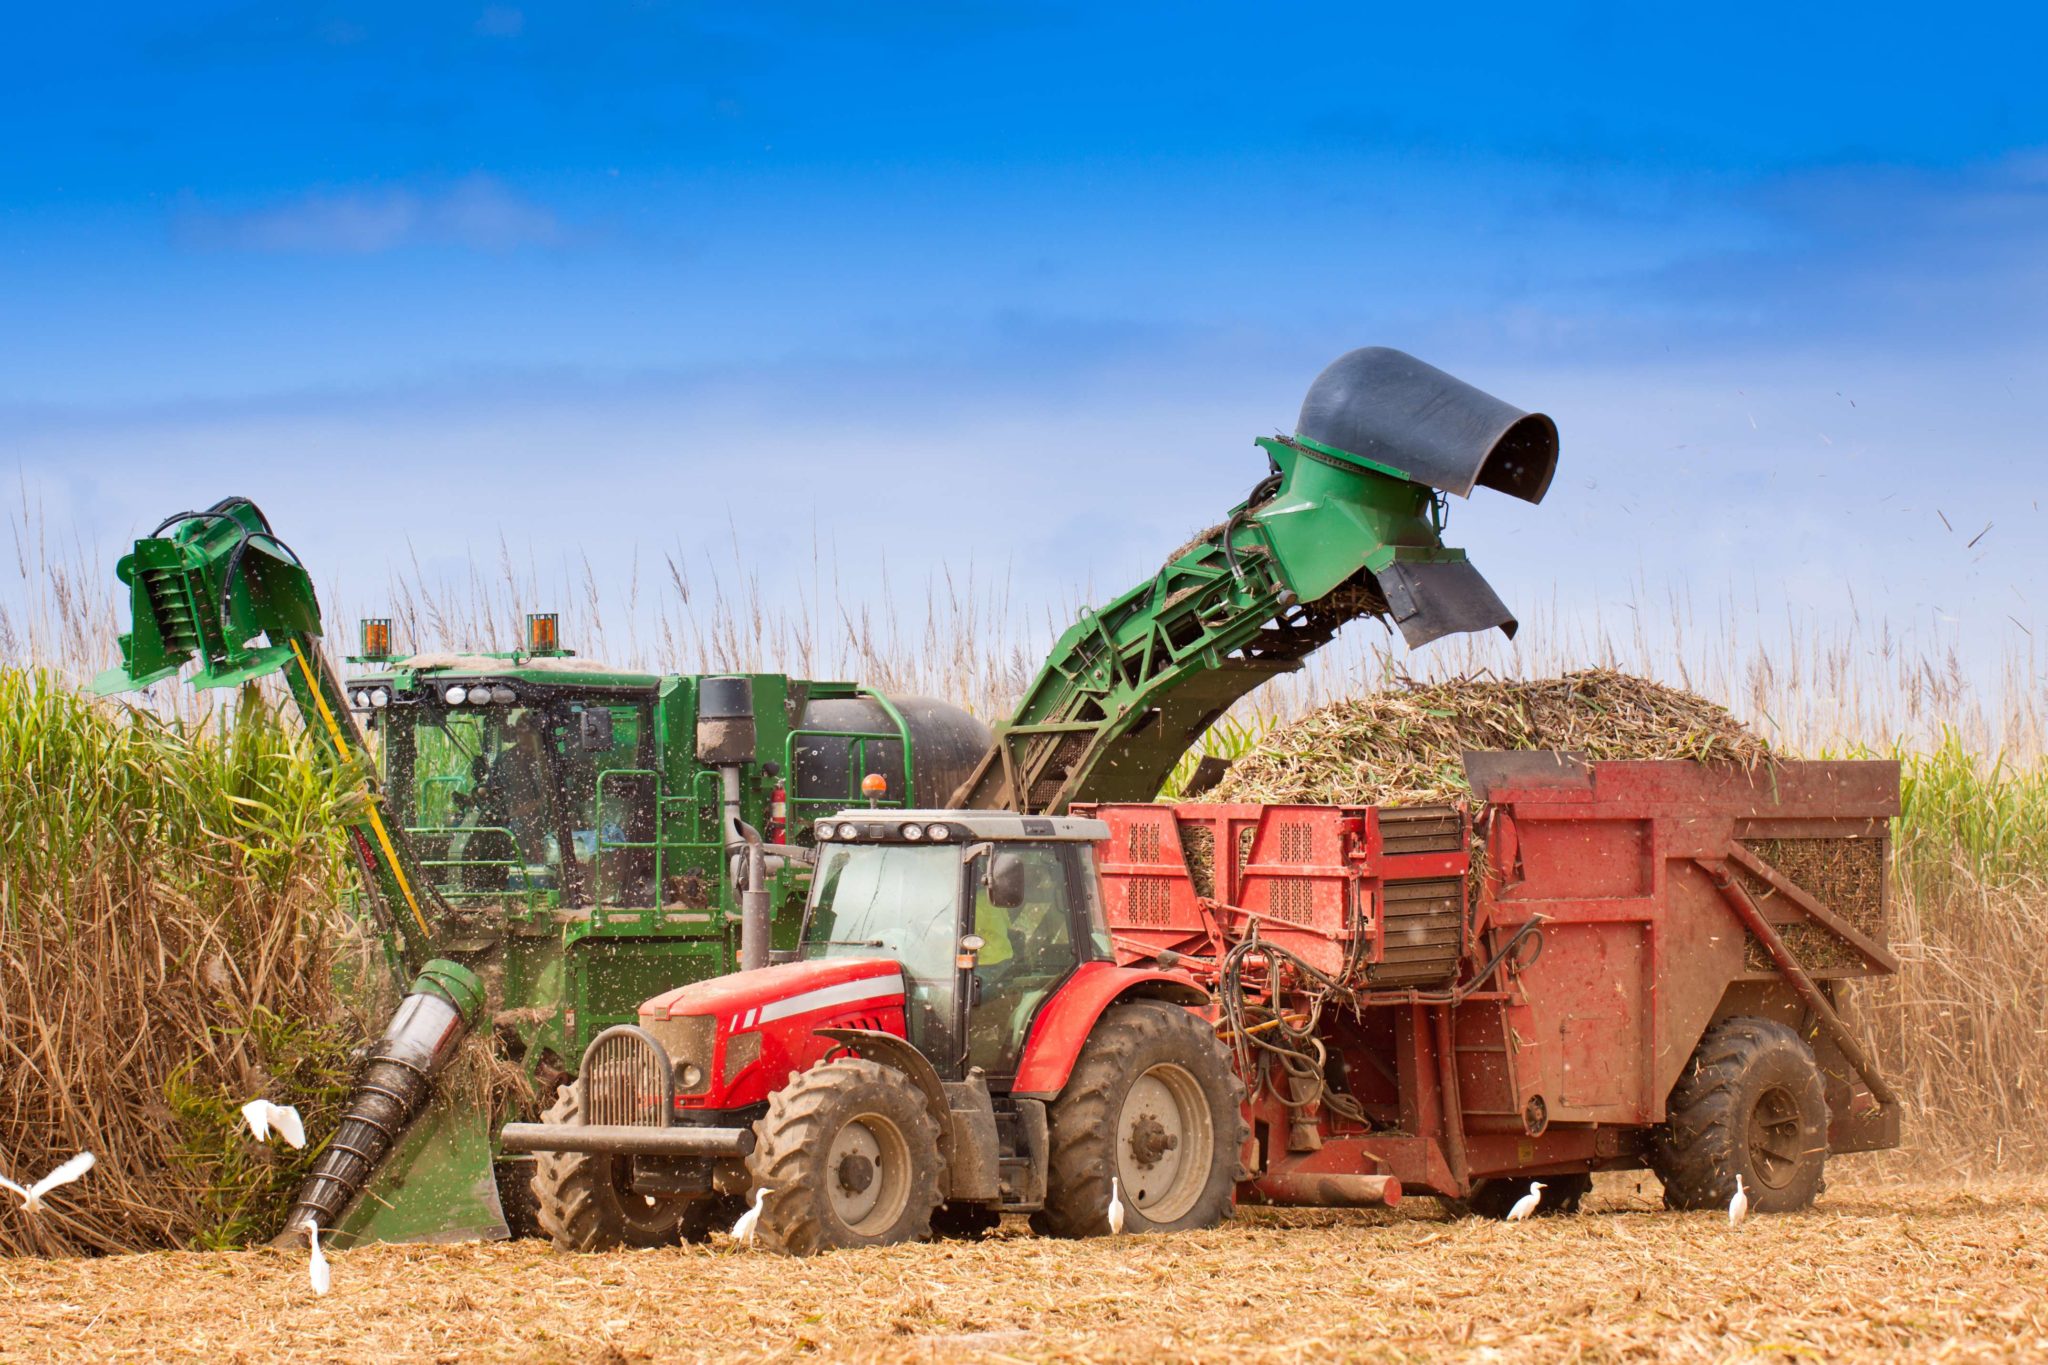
778,807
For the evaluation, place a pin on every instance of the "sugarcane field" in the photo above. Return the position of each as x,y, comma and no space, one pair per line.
761,682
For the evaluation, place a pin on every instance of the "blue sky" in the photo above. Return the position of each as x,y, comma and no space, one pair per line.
1016,284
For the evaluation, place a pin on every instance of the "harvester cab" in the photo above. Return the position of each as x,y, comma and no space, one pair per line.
938,1049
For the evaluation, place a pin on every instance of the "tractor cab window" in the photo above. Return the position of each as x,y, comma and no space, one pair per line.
899,901
1033,904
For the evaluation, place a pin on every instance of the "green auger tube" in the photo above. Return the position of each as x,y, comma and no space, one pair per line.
396,1082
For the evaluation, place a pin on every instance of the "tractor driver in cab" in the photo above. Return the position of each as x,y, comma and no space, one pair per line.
1022,914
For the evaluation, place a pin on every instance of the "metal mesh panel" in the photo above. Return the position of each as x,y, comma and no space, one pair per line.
1146,901
1291,899
1297,841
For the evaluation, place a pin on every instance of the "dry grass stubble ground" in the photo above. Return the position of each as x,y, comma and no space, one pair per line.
1880,1271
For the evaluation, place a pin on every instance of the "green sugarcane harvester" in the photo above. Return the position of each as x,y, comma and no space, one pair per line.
546,842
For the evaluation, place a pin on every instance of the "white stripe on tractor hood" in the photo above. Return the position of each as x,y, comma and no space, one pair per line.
845,993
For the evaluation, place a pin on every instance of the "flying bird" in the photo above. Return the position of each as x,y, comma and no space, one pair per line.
743,1230
316,1269
263,1116
1738,1207
32,1196
1526,1205
1116,1207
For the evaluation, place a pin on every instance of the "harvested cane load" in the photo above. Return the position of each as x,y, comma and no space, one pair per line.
1404,746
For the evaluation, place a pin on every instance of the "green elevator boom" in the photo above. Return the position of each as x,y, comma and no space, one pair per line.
1348,523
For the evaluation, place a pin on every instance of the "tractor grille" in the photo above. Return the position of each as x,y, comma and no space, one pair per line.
626,1080
1421,829
1424,932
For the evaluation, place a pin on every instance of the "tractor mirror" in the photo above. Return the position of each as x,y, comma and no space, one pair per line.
595,729
1006,881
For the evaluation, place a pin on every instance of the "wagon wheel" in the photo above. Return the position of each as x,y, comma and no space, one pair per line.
1750,1103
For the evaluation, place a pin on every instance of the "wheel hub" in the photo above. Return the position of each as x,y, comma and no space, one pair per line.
1774,1138
856,1173
1164,1142
1150,1140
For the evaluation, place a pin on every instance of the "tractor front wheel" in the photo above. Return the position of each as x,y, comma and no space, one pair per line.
1154,1104
1751,1103
584,1201
850,1157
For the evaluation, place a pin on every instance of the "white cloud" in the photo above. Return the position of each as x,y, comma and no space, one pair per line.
477,212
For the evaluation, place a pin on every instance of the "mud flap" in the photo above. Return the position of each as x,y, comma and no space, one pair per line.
436,1186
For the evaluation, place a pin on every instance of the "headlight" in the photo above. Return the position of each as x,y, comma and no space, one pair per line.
357,699
479,696
939,831
380,697
503,695
455,695
825,830
689,1076
913,832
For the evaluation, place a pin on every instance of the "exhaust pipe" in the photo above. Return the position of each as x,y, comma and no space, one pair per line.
398,1076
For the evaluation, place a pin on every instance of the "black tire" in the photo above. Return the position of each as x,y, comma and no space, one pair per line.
583,1202
1494,1196
1105,1121
515,1198
830,1137
966,1222
1750,1102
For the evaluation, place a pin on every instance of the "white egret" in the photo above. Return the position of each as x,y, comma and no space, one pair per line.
1116,1207
1526,1205
743,1230
32,1196
1738,1207
263,1116
316,1269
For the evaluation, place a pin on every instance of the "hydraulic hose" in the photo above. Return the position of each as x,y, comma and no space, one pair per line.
397,1078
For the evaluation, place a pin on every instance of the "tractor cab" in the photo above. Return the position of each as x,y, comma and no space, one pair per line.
986,914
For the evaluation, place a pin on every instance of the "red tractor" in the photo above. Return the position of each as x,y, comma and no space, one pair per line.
952,1040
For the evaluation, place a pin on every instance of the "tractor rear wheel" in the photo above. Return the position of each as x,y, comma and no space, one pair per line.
850,1157
1152,1101
584,1201
1751,1103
